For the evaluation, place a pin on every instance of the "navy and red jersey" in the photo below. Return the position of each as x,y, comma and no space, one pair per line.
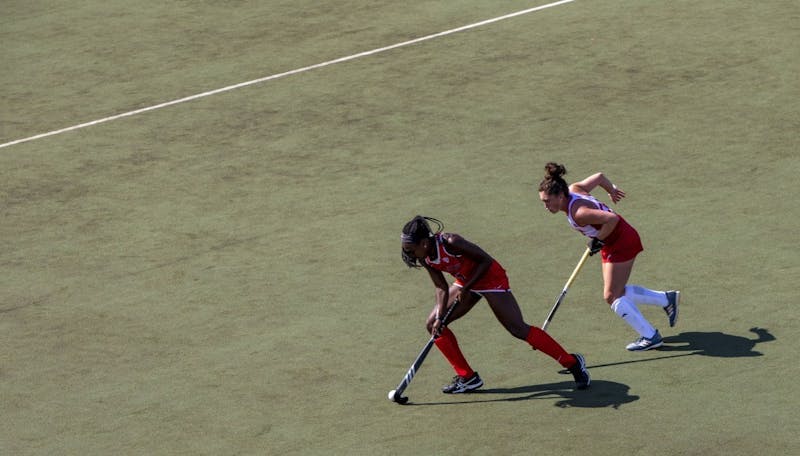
461,267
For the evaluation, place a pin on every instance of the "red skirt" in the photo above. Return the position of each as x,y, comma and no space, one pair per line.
623,244
495,280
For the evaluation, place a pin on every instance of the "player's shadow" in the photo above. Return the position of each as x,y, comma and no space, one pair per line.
717,344
604,393
601,394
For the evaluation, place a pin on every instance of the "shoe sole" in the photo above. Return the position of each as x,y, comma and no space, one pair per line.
674,319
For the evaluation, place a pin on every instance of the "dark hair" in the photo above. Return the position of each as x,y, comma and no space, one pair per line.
553,183
416,230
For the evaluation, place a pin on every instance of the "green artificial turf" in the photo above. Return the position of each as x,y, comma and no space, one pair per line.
223,276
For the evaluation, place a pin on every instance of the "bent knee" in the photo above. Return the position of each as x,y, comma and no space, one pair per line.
519,331
611,297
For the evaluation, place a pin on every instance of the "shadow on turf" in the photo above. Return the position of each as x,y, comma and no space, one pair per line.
601,394
611,394
716,344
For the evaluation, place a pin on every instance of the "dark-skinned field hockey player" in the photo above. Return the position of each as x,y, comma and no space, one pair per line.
477,275
618,244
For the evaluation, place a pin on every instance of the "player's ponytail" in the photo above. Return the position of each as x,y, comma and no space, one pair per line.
553,182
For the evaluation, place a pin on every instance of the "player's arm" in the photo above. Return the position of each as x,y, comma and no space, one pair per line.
587,215
442,289
598,180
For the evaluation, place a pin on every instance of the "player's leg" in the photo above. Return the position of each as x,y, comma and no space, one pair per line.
667,300
507,311
615,278
642,295
466,379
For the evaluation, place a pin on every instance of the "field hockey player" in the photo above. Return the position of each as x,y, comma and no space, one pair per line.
618,244
477,275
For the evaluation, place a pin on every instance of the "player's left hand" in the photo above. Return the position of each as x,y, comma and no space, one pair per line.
616,194
595,245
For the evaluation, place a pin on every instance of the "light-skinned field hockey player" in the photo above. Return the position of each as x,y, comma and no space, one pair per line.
618,244
477,275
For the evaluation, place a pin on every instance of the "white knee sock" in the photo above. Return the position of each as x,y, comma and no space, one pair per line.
641,295
626,309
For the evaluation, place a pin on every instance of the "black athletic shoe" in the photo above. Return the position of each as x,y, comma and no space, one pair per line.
463,385
673,298
582,378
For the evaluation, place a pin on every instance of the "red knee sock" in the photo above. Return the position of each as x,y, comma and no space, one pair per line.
542,341
448,345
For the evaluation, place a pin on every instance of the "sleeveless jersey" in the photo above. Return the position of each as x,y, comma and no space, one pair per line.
461,267
622,244
458,266
588,230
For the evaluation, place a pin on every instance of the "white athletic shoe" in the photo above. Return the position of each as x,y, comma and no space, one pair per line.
644,343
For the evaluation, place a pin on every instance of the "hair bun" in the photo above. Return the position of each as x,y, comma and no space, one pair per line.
555,170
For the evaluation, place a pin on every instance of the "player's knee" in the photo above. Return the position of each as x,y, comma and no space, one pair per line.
610,297
520,330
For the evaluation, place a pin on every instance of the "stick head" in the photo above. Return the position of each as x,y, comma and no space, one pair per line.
394,397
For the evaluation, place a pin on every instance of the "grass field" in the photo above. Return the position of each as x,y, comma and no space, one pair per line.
222,276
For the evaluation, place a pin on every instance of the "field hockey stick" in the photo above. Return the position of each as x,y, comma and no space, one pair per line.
566,287
396,395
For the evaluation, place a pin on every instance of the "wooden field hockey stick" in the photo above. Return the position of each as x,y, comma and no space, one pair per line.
566,287
396,395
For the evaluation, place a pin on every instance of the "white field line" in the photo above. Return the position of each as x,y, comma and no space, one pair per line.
280,75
